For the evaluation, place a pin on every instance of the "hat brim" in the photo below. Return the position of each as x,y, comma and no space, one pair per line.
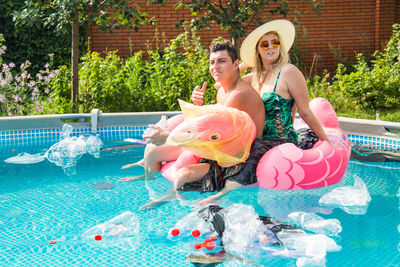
284,28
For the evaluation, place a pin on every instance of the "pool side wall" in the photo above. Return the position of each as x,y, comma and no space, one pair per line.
117,126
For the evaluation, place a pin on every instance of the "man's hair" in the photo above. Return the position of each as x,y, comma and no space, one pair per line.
225,45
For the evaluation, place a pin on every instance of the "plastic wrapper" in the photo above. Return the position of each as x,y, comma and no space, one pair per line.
26,158
352,199
214,132
315,223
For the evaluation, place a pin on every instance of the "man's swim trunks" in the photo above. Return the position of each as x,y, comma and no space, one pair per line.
242,173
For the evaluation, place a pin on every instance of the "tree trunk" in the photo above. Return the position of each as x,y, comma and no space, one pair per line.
235,42
75,62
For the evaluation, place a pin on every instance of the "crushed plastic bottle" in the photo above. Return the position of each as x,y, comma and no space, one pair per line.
189,226
121,231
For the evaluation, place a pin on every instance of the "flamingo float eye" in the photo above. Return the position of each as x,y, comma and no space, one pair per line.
214,137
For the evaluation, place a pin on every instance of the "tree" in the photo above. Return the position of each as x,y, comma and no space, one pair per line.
70,14
31,43
236,16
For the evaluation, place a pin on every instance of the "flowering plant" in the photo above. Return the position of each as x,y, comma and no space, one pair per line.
20,93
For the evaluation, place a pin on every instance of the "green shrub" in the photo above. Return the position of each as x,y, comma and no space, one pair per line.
137,84
370,88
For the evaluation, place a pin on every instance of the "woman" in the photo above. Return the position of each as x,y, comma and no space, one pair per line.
280,84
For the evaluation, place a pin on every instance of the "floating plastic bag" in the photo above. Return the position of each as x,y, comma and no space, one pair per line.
121,231
215,132
242,228
93,145
352,199
315,223
26,158
313,247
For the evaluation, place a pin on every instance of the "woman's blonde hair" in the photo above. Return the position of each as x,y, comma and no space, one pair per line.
259,70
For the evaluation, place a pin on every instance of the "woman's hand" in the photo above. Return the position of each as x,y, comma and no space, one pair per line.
198,94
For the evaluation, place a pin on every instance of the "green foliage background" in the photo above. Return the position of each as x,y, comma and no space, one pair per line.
33,42
151,81
373,87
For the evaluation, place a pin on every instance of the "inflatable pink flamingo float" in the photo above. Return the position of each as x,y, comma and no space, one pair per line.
284,167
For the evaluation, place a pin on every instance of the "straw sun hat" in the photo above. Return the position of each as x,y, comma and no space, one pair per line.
285,30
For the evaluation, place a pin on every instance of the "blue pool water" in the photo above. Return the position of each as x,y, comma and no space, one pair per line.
39,203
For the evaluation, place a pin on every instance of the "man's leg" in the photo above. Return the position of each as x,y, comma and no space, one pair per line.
191,173
229,186
154,156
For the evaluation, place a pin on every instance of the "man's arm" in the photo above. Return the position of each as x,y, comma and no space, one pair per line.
198,94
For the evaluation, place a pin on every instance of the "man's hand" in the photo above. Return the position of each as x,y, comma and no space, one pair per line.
198,94
157,135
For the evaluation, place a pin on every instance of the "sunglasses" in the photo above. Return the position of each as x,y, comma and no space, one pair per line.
265,44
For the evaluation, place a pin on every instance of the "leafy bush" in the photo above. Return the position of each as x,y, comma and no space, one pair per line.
370,88
138,84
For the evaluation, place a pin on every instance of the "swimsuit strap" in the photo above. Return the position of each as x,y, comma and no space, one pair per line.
277,78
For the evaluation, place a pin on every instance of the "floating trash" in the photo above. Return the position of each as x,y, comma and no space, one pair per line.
135,141
69,149
26,158
121,231
352,199
103,185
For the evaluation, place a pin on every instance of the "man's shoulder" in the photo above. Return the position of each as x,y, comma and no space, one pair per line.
243,88
245,94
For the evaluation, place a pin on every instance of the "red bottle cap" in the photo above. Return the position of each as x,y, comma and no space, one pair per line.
175,232
210,245
213,238
196,233
98,237
52,242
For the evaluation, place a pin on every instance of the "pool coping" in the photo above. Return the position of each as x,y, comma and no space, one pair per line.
97,119
92,120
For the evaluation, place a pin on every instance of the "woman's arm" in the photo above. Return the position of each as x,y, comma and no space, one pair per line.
297,87
243,67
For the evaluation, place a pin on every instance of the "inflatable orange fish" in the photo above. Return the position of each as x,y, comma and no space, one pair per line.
215,132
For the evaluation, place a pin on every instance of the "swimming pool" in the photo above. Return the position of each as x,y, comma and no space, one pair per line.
40,203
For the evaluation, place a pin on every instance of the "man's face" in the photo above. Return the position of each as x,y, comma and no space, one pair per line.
221,65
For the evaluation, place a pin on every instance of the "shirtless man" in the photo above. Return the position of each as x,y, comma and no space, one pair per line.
232,92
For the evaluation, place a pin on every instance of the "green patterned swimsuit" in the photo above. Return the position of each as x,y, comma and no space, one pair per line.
278,117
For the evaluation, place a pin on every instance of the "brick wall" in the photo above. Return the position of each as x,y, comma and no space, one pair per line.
349,26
